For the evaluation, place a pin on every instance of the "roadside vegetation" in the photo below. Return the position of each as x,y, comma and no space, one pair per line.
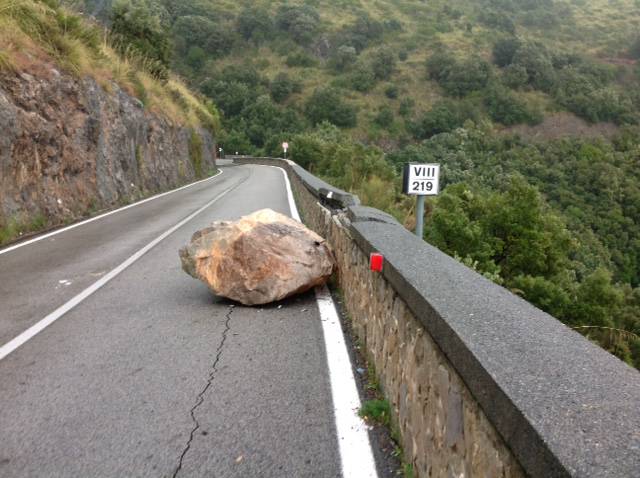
358,88
33,33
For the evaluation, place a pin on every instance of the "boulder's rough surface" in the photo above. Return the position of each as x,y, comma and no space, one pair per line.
261,258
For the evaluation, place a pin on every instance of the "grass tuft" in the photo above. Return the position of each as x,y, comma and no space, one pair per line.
377,411
35,33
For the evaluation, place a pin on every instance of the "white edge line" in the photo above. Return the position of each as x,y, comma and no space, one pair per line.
356,455
87,221
12,345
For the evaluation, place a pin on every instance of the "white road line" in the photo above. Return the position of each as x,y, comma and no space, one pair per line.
356,455
63,309
87,221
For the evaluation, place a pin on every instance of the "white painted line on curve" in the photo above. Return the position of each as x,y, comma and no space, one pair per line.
353,439
356,455
38,327
87,221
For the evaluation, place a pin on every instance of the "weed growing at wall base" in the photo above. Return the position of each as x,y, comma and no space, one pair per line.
195,153
18,226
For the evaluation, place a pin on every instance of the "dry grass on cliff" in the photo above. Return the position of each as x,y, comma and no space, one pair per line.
37,36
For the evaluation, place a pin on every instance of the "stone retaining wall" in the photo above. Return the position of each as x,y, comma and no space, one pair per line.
482,383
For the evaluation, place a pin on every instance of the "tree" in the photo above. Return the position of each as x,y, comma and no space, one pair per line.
196,57
214,39
384,118
344,58
383,63
326,104
506,108
515,76
535,59
254,24
362,79
439,64
446,115
466,77
301,22
504,50
230,97
361,33
136,26
510,231
282,86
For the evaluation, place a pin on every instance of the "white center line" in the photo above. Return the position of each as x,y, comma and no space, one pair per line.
66,307
356,456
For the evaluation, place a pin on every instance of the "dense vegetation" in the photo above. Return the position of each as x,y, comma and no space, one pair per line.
34,32
361,87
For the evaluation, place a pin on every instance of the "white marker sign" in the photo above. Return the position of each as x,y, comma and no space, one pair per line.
421,179
285,146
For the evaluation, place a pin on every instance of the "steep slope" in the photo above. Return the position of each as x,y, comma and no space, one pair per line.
530,106
394,62
74,138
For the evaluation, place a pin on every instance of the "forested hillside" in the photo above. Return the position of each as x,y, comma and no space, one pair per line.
531,107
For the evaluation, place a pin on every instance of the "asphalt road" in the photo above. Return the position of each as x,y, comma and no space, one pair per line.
152,375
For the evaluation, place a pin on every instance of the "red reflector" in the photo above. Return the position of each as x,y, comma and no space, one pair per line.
375,261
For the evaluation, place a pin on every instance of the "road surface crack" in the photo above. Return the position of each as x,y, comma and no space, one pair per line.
200,397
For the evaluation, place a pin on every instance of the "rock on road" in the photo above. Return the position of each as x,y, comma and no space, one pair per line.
152,375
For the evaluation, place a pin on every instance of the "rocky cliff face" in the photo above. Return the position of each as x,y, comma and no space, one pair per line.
67,147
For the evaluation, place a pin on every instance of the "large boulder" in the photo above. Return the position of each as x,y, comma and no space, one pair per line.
260,258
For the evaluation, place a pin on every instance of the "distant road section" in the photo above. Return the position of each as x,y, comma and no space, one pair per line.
150,374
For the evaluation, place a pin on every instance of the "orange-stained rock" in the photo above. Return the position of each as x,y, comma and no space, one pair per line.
261,258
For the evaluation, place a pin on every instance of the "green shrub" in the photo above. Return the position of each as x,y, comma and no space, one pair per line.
300,59
137,26
377,411
235,141
536,60
301,22
361,79
215,39
383,63
344,58
505,107
504,50
327,104
468,76
254,24
384,118
195,153
439,64
497,21
406,107
282,87
361,33
446,115
458,78
391,92
515,76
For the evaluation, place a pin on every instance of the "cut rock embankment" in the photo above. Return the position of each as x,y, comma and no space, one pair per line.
68,147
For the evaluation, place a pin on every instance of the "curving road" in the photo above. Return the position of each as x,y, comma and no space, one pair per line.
151,375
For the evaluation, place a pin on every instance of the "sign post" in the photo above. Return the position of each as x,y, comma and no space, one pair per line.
421,180
285,146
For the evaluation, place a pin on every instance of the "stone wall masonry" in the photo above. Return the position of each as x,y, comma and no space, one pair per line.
482,383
